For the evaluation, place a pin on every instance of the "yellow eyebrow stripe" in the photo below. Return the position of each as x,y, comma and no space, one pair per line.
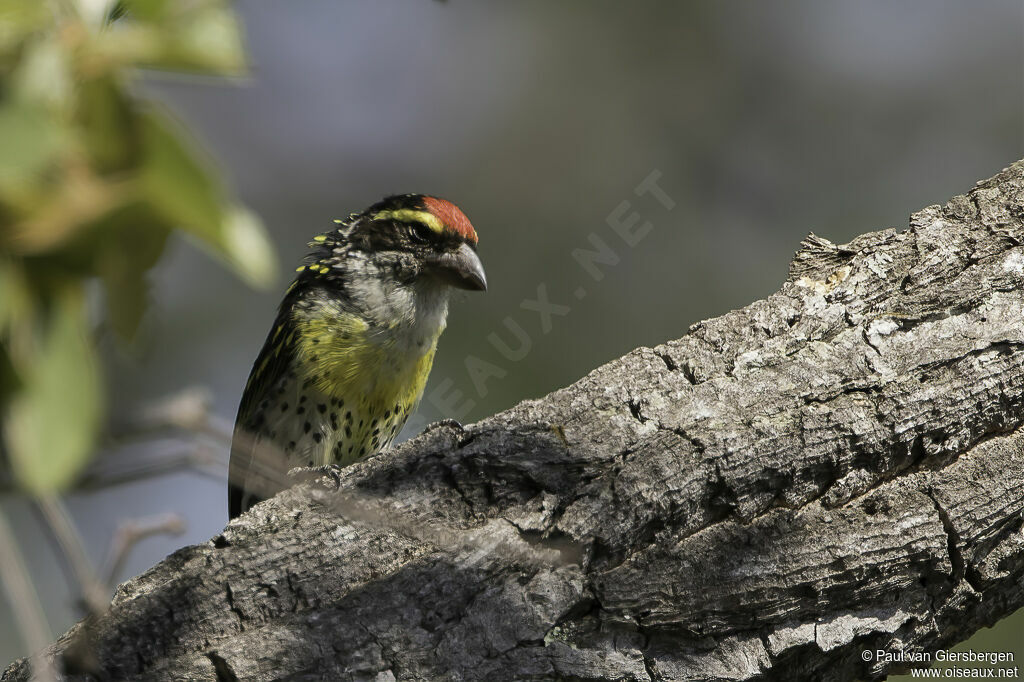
411,215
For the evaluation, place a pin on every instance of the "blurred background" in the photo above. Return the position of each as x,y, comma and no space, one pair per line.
764,121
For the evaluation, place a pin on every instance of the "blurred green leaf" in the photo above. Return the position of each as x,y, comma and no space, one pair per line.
211,41
43,76
93,180
9,381
177,184
202,36
149,10
129,252
30,140
248,248
107,124
19,18
52,422
95,12
14,305
184,191
14,298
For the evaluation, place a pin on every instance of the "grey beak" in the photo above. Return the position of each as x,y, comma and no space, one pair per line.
461,268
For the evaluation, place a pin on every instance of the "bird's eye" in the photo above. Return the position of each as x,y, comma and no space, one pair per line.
421,234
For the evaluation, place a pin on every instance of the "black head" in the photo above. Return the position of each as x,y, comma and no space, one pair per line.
417,234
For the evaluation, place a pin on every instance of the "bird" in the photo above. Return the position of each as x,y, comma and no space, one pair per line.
348,355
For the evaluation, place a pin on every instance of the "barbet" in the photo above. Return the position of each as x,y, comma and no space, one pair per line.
349,353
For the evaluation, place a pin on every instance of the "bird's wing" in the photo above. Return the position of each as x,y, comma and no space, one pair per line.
257,463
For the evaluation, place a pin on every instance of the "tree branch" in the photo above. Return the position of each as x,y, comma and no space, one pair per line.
836,468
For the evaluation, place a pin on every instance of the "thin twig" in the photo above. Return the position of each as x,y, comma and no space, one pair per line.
113,471
94,593
132,533
24,600
187,410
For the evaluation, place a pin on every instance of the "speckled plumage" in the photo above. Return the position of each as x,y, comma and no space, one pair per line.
349,354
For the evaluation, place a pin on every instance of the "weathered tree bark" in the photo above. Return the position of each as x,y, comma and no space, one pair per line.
834,469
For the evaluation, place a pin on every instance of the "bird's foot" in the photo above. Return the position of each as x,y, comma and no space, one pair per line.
452,423
316,474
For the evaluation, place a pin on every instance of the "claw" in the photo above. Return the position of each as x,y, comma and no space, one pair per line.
316,474
442,423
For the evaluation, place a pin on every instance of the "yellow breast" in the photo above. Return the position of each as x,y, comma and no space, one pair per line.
377,372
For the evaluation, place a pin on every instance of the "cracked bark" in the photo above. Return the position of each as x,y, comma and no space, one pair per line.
835,468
